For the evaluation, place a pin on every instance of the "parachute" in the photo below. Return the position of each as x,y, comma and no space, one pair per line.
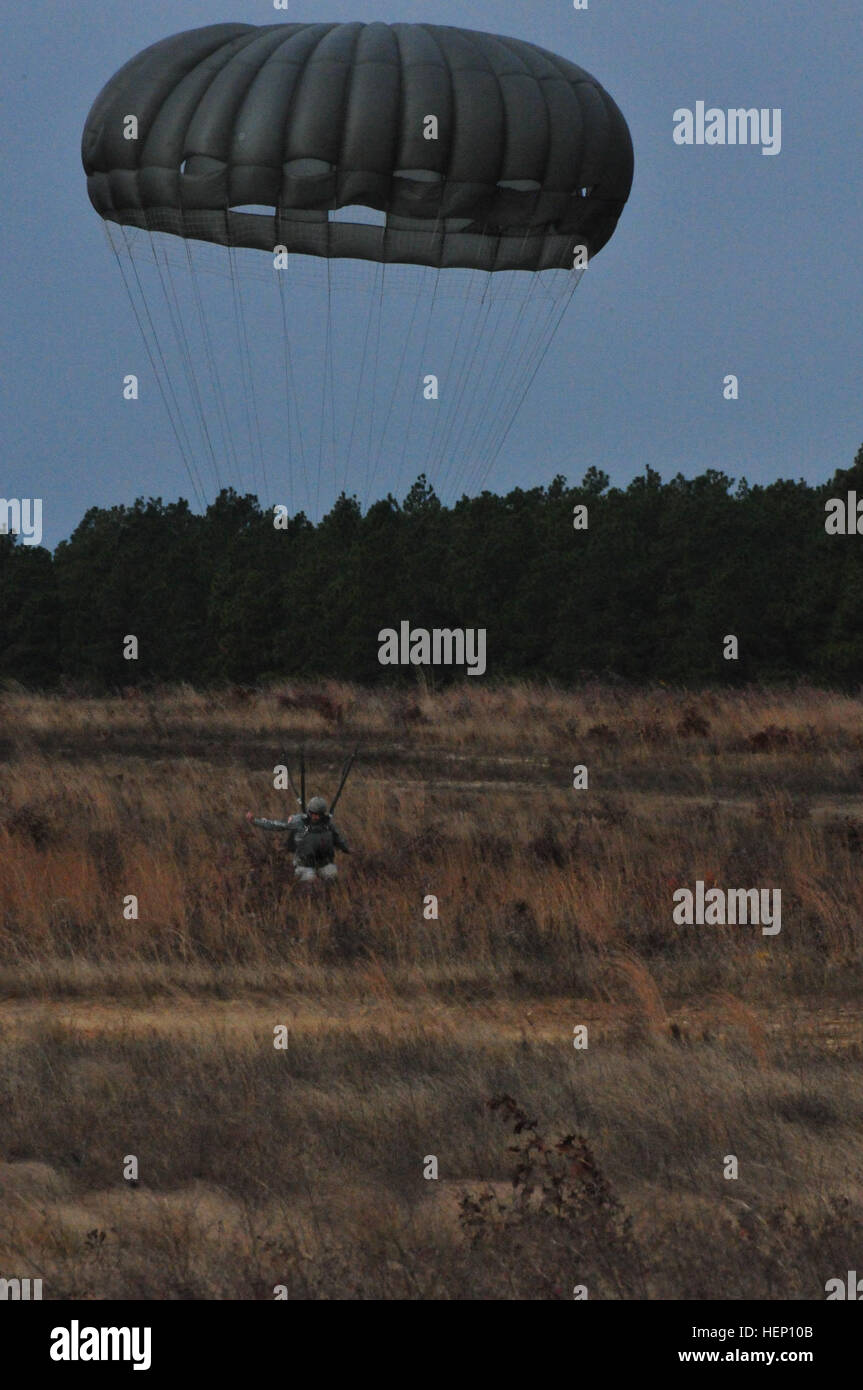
348,246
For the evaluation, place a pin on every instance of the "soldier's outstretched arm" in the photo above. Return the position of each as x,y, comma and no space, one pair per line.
263,824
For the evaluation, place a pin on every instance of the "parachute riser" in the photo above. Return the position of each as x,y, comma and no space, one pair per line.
301,794
346,768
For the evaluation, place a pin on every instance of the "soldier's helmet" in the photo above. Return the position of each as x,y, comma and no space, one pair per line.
317,807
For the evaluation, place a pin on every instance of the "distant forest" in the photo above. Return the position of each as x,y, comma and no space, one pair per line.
663,572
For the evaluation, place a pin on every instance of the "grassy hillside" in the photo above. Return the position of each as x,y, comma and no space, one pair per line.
304,1167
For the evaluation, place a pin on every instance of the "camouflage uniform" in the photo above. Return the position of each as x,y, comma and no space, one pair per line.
314,845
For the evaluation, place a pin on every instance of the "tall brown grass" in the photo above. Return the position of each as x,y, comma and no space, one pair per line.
154,1036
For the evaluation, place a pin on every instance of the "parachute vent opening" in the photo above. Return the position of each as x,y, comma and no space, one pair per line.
183,166
256,209
357,212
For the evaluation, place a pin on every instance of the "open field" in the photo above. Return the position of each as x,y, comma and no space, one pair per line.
304,1167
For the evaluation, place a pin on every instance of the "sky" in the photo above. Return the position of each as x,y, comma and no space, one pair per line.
725,260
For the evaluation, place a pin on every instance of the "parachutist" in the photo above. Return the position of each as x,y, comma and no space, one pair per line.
313,834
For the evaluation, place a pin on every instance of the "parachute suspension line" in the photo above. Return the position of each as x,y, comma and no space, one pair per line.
254,395
359,391
382,437
455,339
498,391
407,434
524,368
368,474
163,380
218,394
331,391
530,376
486,403
342,382
527,330
175,315
291,395
245,363
527,370
507,392
471,397
519,371
324,384
453,468
259,434
288,432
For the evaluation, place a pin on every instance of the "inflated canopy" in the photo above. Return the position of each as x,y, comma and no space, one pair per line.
532,156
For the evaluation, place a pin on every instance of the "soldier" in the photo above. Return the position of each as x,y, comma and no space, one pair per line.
314,839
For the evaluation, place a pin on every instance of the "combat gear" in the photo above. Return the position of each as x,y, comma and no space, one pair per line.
313,835
314,842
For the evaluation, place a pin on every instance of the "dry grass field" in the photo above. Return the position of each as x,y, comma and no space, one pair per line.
304,1166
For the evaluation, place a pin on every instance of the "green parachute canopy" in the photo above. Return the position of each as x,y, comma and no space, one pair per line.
401,146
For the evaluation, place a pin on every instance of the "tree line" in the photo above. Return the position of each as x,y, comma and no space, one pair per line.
647,590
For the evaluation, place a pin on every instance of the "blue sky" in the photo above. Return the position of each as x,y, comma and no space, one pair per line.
724,261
